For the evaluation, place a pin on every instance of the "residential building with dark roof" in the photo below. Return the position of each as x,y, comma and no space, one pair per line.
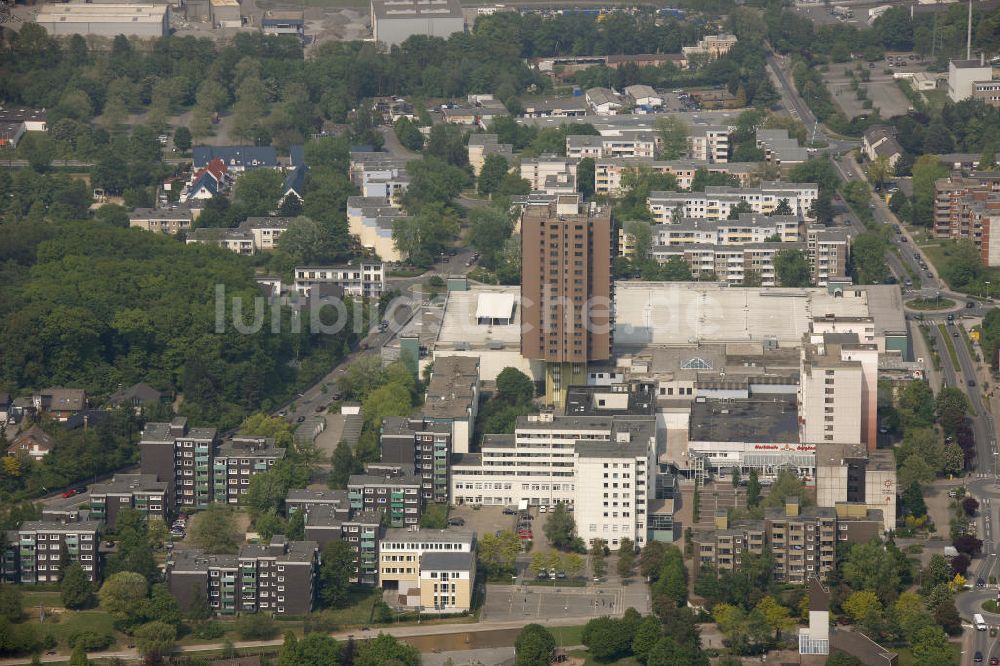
138,397
238,460
34,443
182,456
161,221
36,550
277,578
141,492
238,158
393,490
59,403
423,444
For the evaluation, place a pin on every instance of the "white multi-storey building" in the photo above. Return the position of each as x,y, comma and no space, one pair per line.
716,203
365,279
638,144
709,143
599,465
548,169
608,172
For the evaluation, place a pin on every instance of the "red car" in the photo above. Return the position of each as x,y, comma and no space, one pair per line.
69,493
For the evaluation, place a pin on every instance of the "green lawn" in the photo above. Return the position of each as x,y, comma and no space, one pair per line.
950,345
64,625
940,255
590,661
568,635
906,657
930,303
935,99
359,612
31,600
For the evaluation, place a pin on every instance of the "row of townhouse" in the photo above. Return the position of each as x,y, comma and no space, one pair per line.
718,202
253,235
968,207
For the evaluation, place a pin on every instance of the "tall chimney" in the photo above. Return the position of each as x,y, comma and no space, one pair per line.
968,35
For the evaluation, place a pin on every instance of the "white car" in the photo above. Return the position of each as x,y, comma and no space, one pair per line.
542,509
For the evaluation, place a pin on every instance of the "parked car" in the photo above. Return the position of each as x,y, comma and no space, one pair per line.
69,493
542,575
970,304
507,511
542,509
560,575
81,490
300,419
994,660
971,383
457,522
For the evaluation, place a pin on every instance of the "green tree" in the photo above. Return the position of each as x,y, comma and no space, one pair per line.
336,568
916,404
386,650
123,595
498,552
585,171
78,658
408,133
515,387
313,648
641,236
740,208
753,489
777,616
389,400
862,603
258,190
735,476
952,406
534,646
182,139
448,142
344,465
649,632
306,241
256,627
868,568
214,530
931,647
626,557
674,134
424,236
792,268
491,175
926,170
783,208
912,501
77,590
560,527
489,229
841,659
155,638
672,581
598,565
605,639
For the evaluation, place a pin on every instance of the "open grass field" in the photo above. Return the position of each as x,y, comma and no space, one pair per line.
69,623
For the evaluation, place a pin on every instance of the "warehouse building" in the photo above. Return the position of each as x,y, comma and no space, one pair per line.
226,14
105,20
393,21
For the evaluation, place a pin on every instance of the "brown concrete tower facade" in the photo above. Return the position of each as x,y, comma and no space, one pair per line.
566,290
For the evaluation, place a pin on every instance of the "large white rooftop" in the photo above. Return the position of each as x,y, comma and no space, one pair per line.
681,313
461,327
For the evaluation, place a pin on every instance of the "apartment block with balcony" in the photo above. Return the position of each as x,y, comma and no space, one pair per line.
803,541
968,207
361,530
390,489
425,445
277,578
828,251
608,172
709,143
638,144
723,546
546,169
142,492
35,552
181,456
750,264
365,280
717,202
237,461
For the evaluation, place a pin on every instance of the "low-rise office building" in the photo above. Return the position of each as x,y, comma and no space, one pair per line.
431,571
141,492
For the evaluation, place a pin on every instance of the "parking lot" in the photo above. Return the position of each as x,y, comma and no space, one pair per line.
490,519
533,602
881,89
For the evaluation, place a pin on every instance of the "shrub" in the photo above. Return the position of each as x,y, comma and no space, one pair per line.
209,630
256,628
90,641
